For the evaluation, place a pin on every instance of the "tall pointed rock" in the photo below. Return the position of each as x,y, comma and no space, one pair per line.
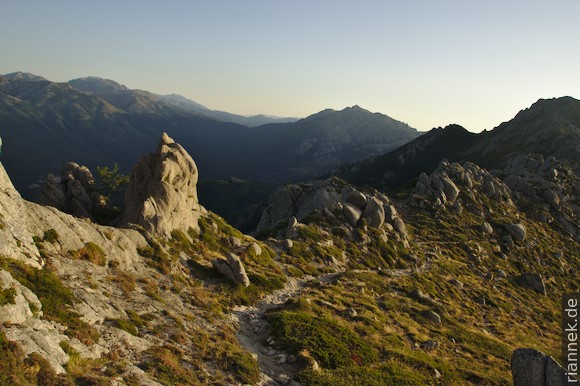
162,194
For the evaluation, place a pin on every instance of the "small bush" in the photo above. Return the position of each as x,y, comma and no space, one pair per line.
125,281
138,320
308,233
164,363
7,296
386,375
243,365
156,257
50,236
91,252
15,369
208,235
126,325
180,238
83,371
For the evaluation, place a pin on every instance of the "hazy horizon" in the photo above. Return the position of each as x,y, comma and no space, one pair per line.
427,65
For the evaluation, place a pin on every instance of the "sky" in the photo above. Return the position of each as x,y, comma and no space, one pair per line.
426,63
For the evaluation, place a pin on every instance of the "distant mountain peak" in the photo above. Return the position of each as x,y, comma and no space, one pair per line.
550,106
98,85
455,128
27,76
355,108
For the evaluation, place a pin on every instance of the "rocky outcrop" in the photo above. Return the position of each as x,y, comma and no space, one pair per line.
15,233
232,268
74,192
18,309
69,284
442,188
551,188
486,228
162,194
534,368
374,212
23,222
517,231
532,281
332,198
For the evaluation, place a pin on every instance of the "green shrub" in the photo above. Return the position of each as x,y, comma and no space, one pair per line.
386,375
308,233
126,325
330,343
91,252
208,235
164,363
7,296
16,369
50,236
180,238
111,180
482,342
125,281
156,257
243,365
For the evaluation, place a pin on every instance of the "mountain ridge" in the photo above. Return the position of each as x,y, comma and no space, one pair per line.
109,89
549,126
48,124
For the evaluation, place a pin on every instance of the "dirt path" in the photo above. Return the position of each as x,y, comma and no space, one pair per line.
254,333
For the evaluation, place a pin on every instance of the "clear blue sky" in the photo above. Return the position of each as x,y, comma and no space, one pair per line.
427,63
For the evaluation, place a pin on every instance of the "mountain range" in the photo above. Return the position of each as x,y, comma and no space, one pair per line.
144,101
381,256
95,122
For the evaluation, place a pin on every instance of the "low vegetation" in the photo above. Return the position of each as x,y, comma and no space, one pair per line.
90,252
18,369
7,296
55,297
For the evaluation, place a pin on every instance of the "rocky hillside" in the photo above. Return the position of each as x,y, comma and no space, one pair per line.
88,304
452,284
550,127
440,287
395,168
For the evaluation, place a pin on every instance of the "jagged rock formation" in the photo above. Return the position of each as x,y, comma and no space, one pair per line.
441,189
162,194
74,192
534,368
549,188
332,197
